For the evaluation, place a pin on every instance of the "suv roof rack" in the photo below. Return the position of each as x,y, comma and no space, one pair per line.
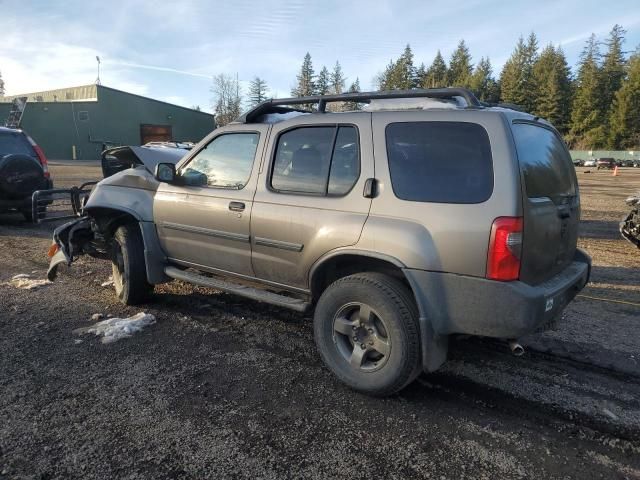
277,105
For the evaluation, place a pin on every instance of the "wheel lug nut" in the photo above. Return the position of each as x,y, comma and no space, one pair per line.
354,328
362,346
370,342
370,330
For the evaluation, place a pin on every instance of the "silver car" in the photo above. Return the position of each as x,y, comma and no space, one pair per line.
424,215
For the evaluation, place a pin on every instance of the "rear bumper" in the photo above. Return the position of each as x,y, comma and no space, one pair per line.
477,306
15,203
20,203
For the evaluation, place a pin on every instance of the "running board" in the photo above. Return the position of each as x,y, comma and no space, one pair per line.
296,304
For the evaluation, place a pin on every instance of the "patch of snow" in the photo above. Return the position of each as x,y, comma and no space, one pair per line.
114,329
279,117
420,103
25,282
96,316
108,283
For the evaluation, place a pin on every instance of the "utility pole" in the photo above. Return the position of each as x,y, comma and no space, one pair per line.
98,79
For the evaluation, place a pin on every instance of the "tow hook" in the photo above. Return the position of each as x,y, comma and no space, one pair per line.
516,349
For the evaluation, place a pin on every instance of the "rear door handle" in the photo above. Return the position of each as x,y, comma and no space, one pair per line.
236,206
370,188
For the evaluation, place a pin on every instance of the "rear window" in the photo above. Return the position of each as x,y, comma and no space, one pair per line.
544,162
15,142
441,162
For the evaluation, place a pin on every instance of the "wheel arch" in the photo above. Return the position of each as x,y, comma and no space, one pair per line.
349,261
108,219
342,263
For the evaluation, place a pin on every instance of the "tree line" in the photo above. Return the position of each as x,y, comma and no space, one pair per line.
596,106
229,100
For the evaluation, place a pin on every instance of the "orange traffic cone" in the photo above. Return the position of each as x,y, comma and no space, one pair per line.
615,171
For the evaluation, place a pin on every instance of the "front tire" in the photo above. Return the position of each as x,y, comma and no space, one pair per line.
128,265
366,330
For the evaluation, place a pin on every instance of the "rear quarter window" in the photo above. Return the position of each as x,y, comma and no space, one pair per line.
544,162
440,162
15,143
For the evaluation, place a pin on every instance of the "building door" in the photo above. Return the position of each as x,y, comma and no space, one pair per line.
155,133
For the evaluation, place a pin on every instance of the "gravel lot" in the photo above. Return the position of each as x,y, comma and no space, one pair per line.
222,387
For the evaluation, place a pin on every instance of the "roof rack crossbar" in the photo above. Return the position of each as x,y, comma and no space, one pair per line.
359,97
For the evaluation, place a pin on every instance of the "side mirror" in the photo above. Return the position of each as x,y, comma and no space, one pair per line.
166,172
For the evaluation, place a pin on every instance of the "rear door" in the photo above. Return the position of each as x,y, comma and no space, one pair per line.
551,203
309,198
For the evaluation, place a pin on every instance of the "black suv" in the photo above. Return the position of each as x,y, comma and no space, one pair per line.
23,170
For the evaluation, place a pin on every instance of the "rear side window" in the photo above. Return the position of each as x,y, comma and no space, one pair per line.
544,162
15,142
317,160
441,162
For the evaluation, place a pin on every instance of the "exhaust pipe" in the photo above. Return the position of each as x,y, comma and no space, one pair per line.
516,349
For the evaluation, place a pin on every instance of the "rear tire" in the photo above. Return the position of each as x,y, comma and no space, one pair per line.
128,265
366,330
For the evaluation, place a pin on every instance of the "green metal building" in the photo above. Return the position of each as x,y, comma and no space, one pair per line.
79,122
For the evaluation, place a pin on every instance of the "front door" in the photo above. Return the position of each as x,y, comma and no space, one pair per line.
204,222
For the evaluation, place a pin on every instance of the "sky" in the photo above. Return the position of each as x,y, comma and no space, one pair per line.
170,50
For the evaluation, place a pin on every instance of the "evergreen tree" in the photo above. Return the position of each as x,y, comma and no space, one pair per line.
384,80
552,88
460,67
353,88
516,82
257,91
305,78
436,76
613,72
587,129
482,82
624,131
399,75
404,72
337,79
1,85
322,84
421,75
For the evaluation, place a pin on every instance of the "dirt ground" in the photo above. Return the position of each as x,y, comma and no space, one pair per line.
222,387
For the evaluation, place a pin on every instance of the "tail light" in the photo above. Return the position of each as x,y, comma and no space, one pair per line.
505,248
41,157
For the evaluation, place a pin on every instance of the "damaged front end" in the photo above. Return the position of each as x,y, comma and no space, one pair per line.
630,225
124,195
75,238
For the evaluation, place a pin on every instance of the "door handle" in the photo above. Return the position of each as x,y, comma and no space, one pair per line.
236,206
564,211
370,188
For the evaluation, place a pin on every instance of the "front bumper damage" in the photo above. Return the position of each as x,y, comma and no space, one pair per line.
71,240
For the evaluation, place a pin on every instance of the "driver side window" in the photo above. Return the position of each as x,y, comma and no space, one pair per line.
225,162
